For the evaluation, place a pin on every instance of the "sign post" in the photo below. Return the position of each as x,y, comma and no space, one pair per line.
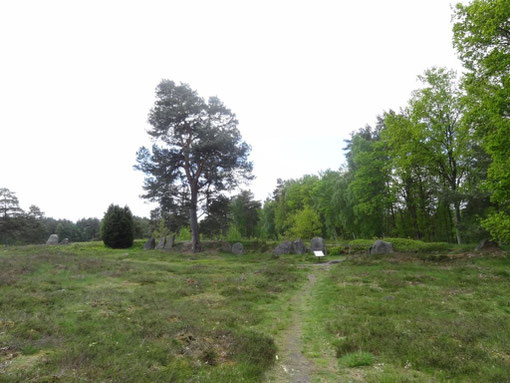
318,254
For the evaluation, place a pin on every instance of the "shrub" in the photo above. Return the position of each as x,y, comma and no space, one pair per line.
357,359
117,229
184,234
337,250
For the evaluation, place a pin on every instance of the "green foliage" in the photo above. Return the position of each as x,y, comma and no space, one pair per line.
162,230
368,193
90,228
117,227
68,229
142,227
244,212
498,225
305,224
9,204
267,226
198,152
356,359
337,250
184,234
215,224
482,38
233,234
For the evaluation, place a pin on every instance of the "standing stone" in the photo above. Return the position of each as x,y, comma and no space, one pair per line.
298,247
317,244
65,241
161,244
52,240
487,245
283,248
381,247
170,242
150,244
237,248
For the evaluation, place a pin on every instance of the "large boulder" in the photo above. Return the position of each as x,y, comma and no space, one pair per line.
298,247
169,243
317,244
150,244
237,248
283,248
487,245
381,247
161,243
52,240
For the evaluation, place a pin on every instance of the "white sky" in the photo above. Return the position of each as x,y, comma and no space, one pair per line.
77,80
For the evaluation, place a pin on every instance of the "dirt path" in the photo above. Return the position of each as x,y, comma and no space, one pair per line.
292,365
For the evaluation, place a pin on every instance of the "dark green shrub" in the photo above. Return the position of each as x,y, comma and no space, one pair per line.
337,250
117,229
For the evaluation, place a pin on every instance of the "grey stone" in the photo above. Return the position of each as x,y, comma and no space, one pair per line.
52,240
283,248
161,244
170,242
65,241
150,244
381,247
485,244
237,248
298,247
317,244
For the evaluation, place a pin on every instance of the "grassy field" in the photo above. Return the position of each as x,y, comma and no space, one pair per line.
412,318
84,313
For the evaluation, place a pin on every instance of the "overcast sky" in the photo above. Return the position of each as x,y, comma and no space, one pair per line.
77,80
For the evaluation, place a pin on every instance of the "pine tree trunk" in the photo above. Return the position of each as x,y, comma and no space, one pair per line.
195,235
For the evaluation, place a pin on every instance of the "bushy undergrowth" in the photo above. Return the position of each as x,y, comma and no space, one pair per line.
405,245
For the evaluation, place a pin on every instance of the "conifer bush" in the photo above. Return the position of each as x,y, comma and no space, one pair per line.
117,227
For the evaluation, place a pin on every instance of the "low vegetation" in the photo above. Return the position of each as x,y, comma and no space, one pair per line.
414,318
88,313
84,312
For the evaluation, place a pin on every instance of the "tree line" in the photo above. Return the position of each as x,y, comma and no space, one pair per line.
19,227
437,169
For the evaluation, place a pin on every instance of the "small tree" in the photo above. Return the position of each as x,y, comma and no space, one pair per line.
117,229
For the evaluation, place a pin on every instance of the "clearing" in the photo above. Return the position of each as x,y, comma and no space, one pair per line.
86,313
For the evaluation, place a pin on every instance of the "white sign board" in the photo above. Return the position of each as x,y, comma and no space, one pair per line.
318,253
